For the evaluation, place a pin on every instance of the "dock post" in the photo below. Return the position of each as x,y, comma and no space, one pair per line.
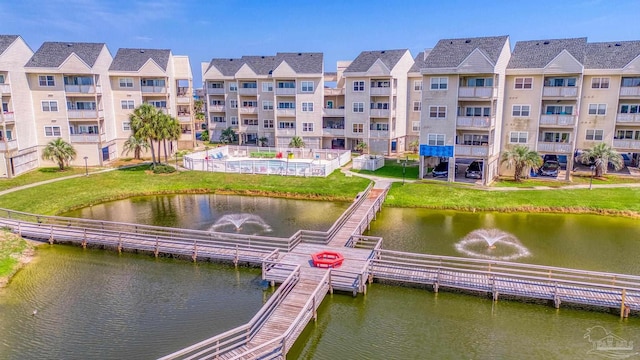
19,229
51,236
315,313
155,252
235,259
435,287
330,286
119,243
84,238
622,305
556,302
495,295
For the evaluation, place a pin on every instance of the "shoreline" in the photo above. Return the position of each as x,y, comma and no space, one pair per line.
24,257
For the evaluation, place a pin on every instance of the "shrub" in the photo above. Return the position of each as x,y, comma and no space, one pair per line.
163,169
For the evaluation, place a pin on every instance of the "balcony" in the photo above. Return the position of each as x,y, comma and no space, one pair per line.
333,132
249,127
476,122
84,114
626,144
7,116
153,89
285,132
215,91
184,99
628,119
286,112
216,108
379,134
555,147
333,112
8,145
558,120
472,150
80,89
186,136
477,92
630,91
248,110
85,138
380,91
560,91
379,113
5,89
333,91
285,91
248,91
184,117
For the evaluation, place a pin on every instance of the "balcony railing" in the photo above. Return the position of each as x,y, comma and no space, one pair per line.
631,119
286,132
333,91
558,120
481,122
7,116
333,132
333,112
154,89
80,89
215,91
84,114
248,110
477,92
85,138
560,91
8,145
380,91
247,91
5,89
379,134
216,108
285,91
184,118
555,147
379,112
630,91
626,144
183,99
286,112
186,136
472,150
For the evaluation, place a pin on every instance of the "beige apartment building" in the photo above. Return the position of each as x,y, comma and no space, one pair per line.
462,101
414,98
272,98
156,77
376,100
18,142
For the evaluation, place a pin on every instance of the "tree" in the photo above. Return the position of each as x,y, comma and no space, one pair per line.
520,157
204,136
168,129
144,124
362,147
263,141
198,107
296,142
228,136
59,151
136,145
414,145
601,155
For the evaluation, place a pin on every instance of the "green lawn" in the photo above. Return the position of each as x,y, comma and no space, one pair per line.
393,169
41,174
577,179
10,247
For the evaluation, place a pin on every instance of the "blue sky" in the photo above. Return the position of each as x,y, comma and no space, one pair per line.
340,29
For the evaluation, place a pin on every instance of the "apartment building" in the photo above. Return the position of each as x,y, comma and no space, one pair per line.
18,145
414,98
156,77
69,88
266,97
462,101
376,100
333,111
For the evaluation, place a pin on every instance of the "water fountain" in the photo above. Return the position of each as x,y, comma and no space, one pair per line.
238,221
492,244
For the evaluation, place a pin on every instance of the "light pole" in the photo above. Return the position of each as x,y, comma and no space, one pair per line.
404,168
86,168
593,168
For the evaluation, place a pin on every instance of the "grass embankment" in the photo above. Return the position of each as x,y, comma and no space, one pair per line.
13,250
393,169
576,179
83,191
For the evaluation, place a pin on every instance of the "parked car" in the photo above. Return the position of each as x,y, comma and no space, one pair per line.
549,168
626,159
442,169
474,170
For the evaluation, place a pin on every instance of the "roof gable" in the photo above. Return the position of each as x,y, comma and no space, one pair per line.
563,63
611,55
477,62
378,69
537,54
134,59
151,68
302,63
53,54
367,59
450,53
633,67
284,70
245,71
6,41
74,64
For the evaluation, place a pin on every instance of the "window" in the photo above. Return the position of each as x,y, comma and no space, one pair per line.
475,139
78,80
629,108
1,78
267,124
358,128
518,137
560,81
249,85
593,134
159,104
250,122
81,105
215,85
524,83
520,110
126,126
233,104
437,112
379,105
478,111
306,86
218,119
417,106
380,83
628,134
597,109
215,102
46,80
127,104
5,107
415,125
556,137
267,87
630,81
307,126
600,83
435,139
153,82
438,83
286,84
379,126
249,103
126,82
49,106
233,87
358,86
267,105
307,107
417,85
358,107
286,105
233,120
480,82
559,110
286,125
50,131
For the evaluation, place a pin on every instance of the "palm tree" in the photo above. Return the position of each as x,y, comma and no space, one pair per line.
198,107
204,136
520,157
263,141
168,128
227,136
296,142
144,125
414,145
136,145
361,146
59,151
601,154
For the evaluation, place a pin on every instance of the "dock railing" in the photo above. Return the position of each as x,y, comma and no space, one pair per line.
371,213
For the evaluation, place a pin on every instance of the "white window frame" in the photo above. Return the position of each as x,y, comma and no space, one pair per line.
307,86
52,131
126,126
218,119
233,120
307,126
233,87
250,122
158,104
358,85
417,106
286,125
518,137
125,82
597,109
307,107
594,135
127,104
417,85
2,79
46,80
523,83
438,83
358,107
439,109
415,126
233,104
436,139
519,110
267,123
630,108
600,82
267,86
267,105
48,105
357,128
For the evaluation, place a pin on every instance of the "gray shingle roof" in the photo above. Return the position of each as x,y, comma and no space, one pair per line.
419,61
450,53
301,63
134,59
5,41
536,54
611,55
363,62
53,54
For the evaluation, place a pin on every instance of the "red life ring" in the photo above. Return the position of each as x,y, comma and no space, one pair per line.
327,259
